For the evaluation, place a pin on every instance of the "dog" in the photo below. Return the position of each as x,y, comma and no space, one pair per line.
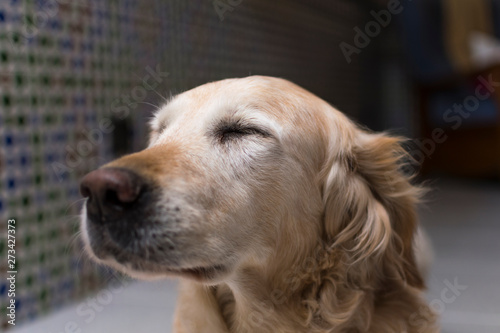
278,213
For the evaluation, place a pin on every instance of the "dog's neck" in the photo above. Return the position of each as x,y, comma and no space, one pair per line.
313,296
253,306
257,300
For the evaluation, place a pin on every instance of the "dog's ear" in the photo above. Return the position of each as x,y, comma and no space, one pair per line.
369,205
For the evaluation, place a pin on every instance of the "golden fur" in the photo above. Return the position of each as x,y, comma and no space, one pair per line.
313,220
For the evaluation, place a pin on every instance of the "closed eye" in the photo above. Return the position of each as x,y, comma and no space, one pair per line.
235,131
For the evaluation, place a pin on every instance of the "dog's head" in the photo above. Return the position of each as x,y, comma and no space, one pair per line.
242,173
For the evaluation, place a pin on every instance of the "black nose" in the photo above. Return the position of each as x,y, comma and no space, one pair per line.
110,191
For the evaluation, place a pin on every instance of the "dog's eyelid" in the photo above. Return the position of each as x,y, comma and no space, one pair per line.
242,129
248,129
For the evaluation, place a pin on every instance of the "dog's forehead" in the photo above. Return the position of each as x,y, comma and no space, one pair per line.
260,98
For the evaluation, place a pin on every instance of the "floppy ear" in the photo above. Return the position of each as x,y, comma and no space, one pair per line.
369,206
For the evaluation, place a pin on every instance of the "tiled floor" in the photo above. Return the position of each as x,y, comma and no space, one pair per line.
140,307
463,220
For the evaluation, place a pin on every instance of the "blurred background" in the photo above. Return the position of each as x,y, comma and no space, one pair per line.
79,79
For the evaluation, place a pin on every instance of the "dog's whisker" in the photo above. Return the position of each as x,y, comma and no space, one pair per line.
72,204
154,90
146,103
73,241
163,97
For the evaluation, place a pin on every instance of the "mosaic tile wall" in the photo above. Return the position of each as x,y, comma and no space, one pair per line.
68,68
59,76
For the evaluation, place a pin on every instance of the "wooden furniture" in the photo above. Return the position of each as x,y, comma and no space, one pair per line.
467,151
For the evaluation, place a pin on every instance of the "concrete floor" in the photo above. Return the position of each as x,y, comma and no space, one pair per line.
462,219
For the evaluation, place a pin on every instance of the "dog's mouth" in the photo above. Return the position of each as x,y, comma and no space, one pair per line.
137,266
141,269
200,273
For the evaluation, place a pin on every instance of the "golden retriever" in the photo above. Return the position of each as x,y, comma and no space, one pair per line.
277,211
